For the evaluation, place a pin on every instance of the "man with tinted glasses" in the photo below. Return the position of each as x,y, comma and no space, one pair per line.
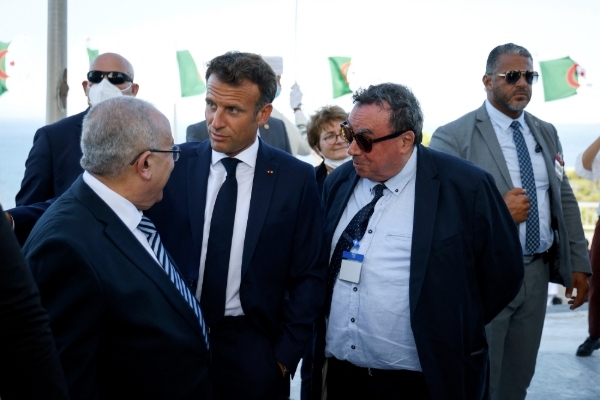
53,162
524,155
423,253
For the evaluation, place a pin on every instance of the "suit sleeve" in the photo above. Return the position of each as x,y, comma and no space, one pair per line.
38,181
25,217
443,140
29,363
73,296
306,287
498,253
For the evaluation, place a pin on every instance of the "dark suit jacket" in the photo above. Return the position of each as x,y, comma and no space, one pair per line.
321,175
29,363
473,138
121,327
466,266
283,269
273,133
53,162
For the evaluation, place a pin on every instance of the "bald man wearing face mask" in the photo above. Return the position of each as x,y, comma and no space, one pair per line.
53,161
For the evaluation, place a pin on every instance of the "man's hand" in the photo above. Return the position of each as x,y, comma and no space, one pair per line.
518,204
282,368
580,282
9,217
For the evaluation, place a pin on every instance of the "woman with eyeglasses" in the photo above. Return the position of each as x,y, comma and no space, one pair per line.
324,136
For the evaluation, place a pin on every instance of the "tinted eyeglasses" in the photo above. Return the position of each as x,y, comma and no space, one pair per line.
176,151
114,77
364,143
512,77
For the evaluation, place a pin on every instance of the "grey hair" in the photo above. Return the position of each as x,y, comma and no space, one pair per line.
508,48
406,114
115,131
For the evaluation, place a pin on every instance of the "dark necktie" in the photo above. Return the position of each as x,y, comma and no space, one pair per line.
355,230
216,266
147,227
532,231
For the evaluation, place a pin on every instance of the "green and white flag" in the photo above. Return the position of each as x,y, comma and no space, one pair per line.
92,54
191,82
339,75
3,75
560,78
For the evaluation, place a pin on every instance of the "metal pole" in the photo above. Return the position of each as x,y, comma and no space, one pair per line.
56,87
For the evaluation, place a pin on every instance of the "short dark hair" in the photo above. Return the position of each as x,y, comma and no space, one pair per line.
322,116
406,114
235,67
508,48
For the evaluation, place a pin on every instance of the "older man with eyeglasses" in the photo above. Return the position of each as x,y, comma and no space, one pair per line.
524,155
423,253
53,162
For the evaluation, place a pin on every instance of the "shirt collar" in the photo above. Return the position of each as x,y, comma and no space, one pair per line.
124,209
399,181
501,119
247,156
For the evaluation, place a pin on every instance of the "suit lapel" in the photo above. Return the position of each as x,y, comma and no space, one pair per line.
125,242
484,125
263,185
198,170
426,202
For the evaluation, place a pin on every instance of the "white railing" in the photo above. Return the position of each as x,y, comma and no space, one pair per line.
588,215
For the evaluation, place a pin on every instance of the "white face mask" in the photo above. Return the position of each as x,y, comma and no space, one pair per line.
278,92
104,90
335,163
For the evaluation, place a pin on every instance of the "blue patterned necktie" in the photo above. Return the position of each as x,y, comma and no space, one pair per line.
532,232
147,227
355,230
216,266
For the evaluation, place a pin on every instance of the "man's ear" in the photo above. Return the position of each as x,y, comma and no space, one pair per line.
85,87
134,89
143,166
408,140
487,82
264,114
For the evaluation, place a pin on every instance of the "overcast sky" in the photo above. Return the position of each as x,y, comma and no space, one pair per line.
438,48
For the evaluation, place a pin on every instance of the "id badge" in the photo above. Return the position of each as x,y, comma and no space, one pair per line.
351,266
559,167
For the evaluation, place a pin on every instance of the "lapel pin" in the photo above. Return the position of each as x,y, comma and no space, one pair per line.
269,171
266,126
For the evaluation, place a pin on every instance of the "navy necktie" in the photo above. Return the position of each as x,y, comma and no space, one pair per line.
355,230
216,266
532,232
147,227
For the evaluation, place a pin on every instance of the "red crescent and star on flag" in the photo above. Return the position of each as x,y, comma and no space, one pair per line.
2,72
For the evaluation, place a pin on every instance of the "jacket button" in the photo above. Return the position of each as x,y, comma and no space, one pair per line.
353,347
352,319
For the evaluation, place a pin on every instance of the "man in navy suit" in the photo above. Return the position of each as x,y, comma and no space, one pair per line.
272,286
53,162
423,254
124,326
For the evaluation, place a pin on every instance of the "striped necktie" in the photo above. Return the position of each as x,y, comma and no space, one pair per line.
532,231
147,227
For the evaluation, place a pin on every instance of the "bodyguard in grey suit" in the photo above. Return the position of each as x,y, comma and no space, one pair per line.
272,132
547,214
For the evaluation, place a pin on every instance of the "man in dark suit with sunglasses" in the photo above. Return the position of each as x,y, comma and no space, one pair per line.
524,155
423,253
53,162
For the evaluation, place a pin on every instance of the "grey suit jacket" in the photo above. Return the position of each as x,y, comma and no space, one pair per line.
473,138
272,132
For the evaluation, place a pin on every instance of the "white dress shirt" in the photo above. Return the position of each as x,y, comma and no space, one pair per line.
244,174
369,322
124,209
501,123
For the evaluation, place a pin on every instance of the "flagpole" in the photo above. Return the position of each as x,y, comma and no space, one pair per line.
56,80
296,44
175,133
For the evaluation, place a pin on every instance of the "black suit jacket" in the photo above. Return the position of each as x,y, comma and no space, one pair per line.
466,266
283,269
273,133
122,328
53,161
29,364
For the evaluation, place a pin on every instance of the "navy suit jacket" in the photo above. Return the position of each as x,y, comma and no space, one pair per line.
53,161
121,327
283,268
273,133
466,266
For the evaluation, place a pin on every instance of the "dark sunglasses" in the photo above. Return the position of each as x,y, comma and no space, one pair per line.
512,77
365,143
114,77
176,151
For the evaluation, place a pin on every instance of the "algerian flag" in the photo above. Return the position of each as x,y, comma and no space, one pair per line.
3,76
191,83
92,54
339,75
560,78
